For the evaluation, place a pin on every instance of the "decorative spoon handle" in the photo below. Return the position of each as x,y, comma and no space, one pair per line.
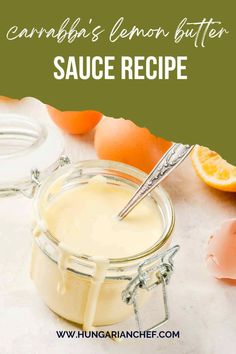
172,158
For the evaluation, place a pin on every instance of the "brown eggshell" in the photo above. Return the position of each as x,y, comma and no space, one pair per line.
221,252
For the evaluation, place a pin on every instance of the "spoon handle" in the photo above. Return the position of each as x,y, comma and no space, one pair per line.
172,158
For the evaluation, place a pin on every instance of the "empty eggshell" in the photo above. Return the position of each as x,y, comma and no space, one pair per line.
121,140
221,252
75,122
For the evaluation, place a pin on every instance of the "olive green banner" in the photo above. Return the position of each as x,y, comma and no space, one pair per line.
167,65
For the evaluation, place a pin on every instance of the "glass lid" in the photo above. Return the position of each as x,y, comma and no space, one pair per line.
26,144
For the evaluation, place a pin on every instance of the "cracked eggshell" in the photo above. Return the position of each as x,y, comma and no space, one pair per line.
121,140
221,251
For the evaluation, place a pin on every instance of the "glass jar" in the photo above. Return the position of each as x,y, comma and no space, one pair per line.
33,166
64,279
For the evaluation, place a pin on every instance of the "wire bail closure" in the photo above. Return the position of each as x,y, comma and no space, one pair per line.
35,177
164,269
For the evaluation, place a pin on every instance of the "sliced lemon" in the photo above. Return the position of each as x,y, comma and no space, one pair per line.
213,169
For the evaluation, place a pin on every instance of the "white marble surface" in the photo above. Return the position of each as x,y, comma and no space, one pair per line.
202,308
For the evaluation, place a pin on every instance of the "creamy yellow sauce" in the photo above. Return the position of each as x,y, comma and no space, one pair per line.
83,219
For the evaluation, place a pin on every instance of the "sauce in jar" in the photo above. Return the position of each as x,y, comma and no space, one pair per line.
82,273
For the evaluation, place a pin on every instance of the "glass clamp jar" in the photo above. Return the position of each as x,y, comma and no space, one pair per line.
51,263
124,276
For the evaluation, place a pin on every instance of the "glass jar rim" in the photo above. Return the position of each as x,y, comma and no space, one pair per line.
115,166
28,144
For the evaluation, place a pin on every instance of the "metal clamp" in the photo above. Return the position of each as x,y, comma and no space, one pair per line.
64,160
162,264
35,181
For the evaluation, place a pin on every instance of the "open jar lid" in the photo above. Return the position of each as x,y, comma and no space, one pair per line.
26,144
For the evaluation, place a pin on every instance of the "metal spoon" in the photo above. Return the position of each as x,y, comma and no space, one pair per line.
172,158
